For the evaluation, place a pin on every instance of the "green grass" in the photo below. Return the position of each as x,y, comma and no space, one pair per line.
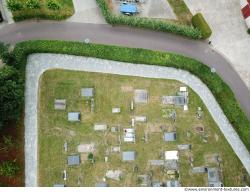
66,10
181,11
54,130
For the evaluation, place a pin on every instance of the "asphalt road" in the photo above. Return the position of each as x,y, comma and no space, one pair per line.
131,37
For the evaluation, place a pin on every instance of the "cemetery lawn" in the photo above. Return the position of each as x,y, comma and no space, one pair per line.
117,91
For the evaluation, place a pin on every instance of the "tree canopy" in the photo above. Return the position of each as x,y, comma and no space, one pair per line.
11,94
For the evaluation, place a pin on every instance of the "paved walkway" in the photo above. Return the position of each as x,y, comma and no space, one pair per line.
229,31
86,11
38,63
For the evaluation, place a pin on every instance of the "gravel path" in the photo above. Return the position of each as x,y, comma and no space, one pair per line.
38,63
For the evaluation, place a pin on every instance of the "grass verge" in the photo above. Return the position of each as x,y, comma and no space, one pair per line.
181,11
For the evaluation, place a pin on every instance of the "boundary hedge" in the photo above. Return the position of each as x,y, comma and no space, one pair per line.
199,22
154,24
218,87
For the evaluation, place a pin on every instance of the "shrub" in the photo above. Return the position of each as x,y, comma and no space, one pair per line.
199,22
33,4
14,5
154,24
11,94
9,168
4,54
53,5
248,31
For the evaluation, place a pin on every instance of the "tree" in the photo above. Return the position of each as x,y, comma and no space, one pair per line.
11,94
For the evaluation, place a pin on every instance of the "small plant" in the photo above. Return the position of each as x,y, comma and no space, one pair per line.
33,4
14,5
53,5
91,157
9,168
8,142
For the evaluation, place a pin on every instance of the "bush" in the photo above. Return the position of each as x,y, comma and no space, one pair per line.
11,95
9,168
14,5
248,31
4,54
53,5
33,4
199,22
154,24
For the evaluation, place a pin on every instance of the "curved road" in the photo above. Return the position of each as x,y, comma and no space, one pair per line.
131,37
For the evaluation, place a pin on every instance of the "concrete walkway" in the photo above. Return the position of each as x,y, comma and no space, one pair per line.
86,11
229,31
38,63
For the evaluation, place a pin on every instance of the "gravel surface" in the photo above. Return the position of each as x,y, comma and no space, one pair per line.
38,63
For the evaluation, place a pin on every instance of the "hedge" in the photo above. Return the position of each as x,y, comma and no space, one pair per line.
154,24
200,23
218,87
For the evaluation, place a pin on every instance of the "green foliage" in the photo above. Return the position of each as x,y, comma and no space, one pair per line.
9,168
45,9
3,185
14,5
11,94
248,31
90,156
220,89
154,24
199,22
4,54
53,5
33,4
8,142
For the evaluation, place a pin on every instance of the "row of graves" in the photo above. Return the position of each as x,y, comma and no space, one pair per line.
169,161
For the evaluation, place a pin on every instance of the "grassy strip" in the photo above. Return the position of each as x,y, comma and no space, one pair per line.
181,11
218,87
157,25
64,12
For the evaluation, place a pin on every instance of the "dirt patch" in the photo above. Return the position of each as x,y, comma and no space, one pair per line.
127,88
199,128
216,137
156,127
211,158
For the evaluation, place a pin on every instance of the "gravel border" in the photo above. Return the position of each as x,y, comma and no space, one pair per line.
38,63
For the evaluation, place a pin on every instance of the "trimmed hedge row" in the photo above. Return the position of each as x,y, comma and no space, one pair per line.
218,87
38,15
199,22
154,24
